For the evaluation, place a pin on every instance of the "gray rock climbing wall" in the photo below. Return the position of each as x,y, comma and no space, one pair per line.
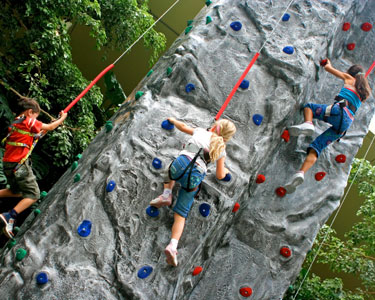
235,250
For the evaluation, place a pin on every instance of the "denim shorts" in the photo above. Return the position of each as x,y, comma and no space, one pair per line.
185,199
330,135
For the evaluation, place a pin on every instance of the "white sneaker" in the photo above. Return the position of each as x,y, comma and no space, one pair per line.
161,201
304,128
8,223
171,255
295,181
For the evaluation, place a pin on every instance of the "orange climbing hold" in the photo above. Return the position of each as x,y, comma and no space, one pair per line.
366,26
350,46
236,207
319,176
346,26
197,270
260,178
246,291
341,158
280,191
285,136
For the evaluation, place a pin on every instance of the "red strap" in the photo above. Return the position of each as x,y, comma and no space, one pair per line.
370,69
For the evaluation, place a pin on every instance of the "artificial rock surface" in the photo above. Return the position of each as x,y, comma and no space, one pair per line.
235,249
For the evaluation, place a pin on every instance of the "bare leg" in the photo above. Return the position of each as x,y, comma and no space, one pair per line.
24,204
8,193
178,226
308,114
309,161
169,185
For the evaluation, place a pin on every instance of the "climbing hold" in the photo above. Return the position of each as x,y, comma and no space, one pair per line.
43,195
42,278
110,186
37,211
236,207
169,71
246,291
197,270
286,17
150,72
244,84
366,26
152,211
16,230
109,124
227,177
280,191
138,95
288,50
20,254
260,178
204,209
11,243
167,125
84,229
189,22
156,163
189,87
144,272
78,157
285,136
323,62
77,177
236,25
187,29
257,119
350,46
341,158
285,251
74,165
208,2
346,26
319,176
208,20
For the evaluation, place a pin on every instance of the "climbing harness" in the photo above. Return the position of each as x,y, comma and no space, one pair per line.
205,156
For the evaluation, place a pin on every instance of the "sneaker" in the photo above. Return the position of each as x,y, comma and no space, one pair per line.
8,222
161,201
295,181
171,255
304,128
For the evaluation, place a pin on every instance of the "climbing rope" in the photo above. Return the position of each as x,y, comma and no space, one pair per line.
341,204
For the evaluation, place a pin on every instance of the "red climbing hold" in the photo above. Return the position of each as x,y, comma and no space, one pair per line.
319,176
285,251
341,158
236,207
366,26
280,191
285,136
197,270
323,62
260,178
346,26
350,46
246,291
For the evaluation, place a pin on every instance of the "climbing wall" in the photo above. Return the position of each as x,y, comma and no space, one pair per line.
96,236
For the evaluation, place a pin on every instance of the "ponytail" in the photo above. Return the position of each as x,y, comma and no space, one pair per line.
361,83
223,132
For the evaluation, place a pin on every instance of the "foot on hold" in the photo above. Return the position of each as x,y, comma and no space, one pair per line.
306,128
161,201
8,223
171,254
295,181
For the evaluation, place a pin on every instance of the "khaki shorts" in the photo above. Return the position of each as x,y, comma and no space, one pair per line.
23,181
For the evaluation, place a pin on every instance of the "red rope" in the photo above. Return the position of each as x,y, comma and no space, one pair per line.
370,69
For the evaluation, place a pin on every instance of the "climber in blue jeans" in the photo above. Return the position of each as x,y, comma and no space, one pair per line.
189,169
340,115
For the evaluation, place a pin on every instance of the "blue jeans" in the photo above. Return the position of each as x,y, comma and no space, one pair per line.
185,199
330,135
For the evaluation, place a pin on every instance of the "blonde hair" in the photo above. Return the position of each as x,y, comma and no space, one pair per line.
223,131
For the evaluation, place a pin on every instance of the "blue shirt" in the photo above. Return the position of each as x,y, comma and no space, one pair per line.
351,96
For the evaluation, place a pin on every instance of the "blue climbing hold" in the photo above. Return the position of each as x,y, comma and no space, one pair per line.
244,84
42,278
204,209
288,50
236,26
144,272
167,125
286,17
227,177
189,87
152,211
110,186
85,228
156,163
257,119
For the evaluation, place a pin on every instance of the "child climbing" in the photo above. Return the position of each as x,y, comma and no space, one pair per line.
17,166
340,115
189,169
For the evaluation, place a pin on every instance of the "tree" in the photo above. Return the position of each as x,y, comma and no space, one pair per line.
354,255
36,61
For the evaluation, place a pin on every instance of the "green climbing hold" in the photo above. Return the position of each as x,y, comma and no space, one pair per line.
169,71
37,211
208,2
77,177
189,22
109,124
16,230
74,165
208,20
187,29
43,195
11,243
150,72
20,254
78,156
138,95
